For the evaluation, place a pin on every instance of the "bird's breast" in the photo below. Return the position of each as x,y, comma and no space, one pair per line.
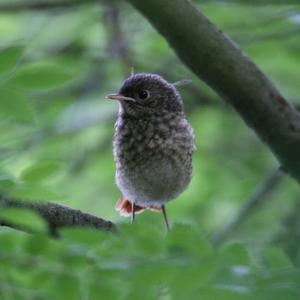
153,159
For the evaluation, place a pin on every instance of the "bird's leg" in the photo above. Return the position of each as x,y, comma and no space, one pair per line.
163,209
133,213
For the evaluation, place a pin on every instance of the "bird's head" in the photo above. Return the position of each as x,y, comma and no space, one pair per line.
148,94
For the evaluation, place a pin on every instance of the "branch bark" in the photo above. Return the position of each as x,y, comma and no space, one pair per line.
57,216
20,6
217,60
53,4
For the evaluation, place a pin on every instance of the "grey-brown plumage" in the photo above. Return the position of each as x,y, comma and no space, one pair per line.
153,143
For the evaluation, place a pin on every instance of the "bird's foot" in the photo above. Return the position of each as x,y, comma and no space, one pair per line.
129,209
125,207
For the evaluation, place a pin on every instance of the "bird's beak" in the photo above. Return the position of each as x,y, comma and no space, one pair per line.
119,97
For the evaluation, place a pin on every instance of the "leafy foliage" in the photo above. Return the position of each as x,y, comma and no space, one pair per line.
55,144
141,262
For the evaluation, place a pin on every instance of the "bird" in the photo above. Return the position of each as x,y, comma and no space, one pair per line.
153,145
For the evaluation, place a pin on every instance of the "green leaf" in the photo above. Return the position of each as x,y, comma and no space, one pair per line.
37,244
234,254
8,242
276,258
8,58
15,106
42,75
227,293
24,218
39,171
185,239
111,288
143,239
66,286
7,182
83,235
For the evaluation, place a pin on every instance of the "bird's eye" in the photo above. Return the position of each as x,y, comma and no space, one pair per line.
144,94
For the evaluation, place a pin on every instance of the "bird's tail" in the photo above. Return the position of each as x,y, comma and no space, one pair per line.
124,207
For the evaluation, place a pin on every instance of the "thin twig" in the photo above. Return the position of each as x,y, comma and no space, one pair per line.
117,43
277,35
260,196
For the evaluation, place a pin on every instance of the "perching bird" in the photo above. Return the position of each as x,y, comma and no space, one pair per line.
153,145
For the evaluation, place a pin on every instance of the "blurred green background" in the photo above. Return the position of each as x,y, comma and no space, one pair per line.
57,63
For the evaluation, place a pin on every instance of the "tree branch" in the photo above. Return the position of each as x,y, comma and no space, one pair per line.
117,45
57,216
52,4
217,60
40,5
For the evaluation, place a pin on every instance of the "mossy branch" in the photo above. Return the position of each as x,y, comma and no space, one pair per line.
56,216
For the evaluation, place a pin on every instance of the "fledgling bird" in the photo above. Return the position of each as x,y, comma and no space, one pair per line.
153,145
